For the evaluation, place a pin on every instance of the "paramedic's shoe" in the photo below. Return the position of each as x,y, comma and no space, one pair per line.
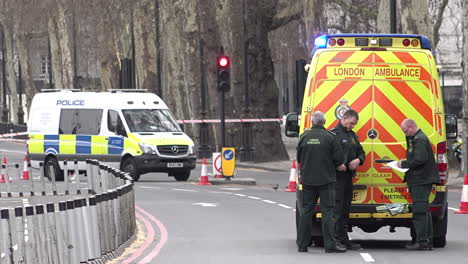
302,249
418,246
338,249
351,245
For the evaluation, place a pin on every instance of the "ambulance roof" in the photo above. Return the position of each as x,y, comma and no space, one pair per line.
111,100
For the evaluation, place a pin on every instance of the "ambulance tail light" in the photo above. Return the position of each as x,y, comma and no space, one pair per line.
406,42
340,42
442,161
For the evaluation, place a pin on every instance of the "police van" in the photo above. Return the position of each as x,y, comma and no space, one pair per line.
131,130
385,78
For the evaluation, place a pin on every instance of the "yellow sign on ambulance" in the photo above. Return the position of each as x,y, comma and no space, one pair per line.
228,161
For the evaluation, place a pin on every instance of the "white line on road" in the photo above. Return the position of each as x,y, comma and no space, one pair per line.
184,190
12,151
268,201
367,257
220,192
240,194
149,187
453,209
285,206
254,197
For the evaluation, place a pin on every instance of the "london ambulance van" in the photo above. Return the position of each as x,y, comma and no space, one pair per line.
385,78
131,130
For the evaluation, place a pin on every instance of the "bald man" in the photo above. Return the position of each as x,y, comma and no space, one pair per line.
421,175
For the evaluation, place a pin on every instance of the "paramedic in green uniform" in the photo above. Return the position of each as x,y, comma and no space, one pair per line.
354,156
421,175
318,155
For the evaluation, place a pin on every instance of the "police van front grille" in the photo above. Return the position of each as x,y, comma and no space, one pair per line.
173,150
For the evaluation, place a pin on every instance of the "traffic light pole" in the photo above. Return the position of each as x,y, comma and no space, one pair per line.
223,143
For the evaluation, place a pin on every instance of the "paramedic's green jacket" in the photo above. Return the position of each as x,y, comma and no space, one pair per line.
420,161
318,154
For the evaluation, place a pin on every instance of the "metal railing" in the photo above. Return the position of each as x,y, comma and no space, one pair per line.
55,223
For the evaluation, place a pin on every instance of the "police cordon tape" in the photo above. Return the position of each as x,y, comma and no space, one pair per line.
192,121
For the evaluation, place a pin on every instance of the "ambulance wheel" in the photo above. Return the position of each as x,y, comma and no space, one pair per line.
182,176
52,161
129,165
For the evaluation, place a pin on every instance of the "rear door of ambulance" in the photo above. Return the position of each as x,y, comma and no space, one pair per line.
384,87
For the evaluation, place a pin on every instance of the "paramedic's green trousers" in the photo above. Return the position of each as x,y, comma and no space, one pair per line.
422,219
344,196
310,195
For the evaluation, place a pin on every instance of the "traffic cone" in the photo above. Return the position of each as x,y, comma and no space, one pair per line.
204,174
25,169
292,178
2,180
464,197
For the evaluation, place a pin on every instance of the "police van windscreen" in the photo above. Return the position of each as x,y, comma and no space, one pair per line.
150,120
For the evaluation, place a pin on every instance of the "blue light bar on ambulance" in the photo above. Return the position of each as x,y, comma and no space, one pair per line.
321,42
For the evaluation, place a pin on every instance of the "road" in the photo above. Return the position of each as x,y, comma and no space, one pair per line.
188,223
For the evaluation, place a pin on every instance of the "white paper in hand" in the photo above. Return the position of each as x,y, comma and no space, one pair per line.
394,166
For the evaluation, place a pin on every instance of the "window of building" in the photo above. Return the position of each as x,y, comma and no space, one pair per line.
45,65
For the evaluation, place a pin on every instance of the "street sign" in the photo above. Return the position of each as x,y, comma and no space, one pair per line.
217,164
228,161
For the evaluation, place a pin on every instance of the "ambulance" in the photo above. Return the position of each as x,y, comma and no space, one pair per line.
385,78
131,130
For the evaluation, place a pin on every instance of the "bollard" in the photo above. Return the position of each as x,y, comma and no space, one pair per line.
65,177
89,175
31,178
73,244
7,245
62,233
77,177
42,168
101,222
19,226
18,180
52,236
30,241
112,227
41,234
80,236
52,176
7,179
89,244
94,227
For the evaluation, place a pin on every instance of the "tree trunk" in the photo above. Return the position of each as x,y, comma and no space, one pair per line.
55,54
464,124
63,41
415,18
145,45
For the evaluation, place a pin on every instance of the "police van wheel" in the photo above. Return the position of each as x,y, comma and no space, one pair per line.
52,161
182,176
129,165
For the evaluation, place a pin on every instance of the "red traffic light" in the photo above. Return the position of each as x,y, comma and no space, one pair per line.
223,61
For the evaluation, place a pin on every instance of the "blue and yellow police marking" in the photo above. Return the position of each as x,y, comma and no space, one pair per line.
228,161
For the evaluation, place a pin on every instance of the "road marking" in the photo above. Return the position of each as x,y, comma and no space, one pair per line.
149,187
220,192
12,151
206,204
240,194
268,201
231,189
254,197
285,206
184,190
367,257
453,209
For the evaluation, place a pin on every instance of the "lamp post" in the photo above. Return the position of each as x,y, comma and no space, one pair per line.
4,83
20,95
247,151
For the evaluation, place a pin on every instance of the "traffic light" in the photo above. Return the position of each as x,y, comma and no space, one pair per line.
224,83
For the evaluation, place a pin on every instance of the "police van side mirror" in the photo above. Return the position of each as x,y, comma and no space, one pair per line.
451,126
291,127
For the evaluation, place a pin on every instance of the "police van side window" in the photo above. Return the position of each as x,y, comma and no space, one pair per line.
114,123
80,121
